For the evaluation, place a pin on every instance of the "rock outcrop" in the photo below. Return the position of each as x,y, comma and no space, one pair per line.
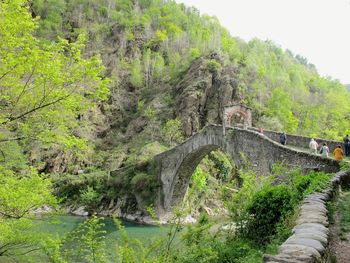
203,91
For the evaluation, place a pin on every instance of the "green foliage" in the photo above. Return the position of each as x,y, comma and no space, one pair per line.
11,156
213,66
136,78
91,237
158,41
21,195
90,198
50,14
263,211
198,243
208,181
76,186
280,107
85,244
271,123
172,131
51,88
45,85
332,209
238,203
344,209
148,151
146,186
199,180
267,208
223,164
238,251
310,183
96,189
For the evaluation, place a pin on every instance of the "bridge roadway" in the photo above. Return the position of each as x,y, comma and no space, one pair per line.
176,165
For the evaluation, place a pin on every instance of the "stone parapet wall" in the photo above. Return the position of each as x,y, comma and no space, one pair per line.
311,234
299,141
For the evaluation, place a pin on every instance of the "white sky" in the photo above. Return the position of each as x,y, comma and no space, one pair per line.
316,29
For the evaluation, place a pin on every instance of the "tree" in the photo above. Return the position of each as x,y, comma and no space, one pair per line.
172,132
20,196
280,106
136,78
44,85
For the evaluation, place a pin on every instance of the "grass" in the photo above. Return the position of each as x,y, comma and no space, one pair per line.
344,215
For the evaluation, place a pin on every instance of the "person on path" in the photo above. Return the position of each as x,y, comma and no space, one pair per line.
283,138
346,141
338,153
324,150
313,145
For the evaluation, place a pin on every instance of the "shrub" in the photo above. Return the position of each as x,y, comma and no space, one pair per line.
172,131
223,164
268,207
149,150
103,11
213,66
90,198
310,183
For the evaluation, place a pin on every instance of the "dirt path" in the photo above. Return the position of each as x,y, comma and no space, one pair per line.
339,248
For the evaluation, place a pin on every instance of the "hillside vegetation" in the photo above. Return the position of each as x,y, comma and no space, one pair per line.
90,87
91,90
166,61
170,72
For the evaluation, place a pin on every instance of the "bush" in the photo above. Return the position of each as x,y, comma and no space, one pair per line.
213,66
268,207
145,185
90,198
310,183
172,132
236,251
223,164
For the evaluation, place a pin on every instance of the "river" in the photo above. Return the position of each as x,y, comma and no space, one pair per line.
61,225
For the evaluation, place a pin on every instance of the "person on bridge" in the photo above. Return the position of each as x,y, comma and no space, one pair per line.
338,153
313,145
324,150
346,141
283,138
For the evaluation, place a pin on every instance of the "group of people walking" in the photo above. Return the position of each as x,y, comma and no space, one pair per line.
338,153
323,149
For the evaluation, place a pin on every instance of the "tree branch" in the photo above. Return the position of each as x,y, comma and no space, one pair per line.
7,72
13,139
10,119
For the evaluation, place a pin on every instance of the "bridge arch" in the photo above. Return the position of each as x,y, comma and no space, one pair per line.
176,166
186,170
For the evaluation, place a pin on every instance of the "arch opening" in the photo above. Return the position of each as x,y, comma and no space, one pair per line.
237,115
200,179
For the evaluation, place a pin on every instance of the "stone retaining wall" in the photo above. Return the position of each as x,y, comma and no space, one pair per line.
311,234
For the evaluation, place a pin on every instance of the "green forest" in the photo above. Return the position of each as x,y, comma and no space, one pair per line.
92,90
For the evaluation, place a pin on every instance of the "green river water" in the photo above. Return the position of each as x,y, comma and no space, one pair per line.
61,225
65,224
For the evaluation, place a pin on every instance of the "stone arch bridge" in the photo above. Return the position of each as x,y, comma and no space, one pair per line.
176,166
